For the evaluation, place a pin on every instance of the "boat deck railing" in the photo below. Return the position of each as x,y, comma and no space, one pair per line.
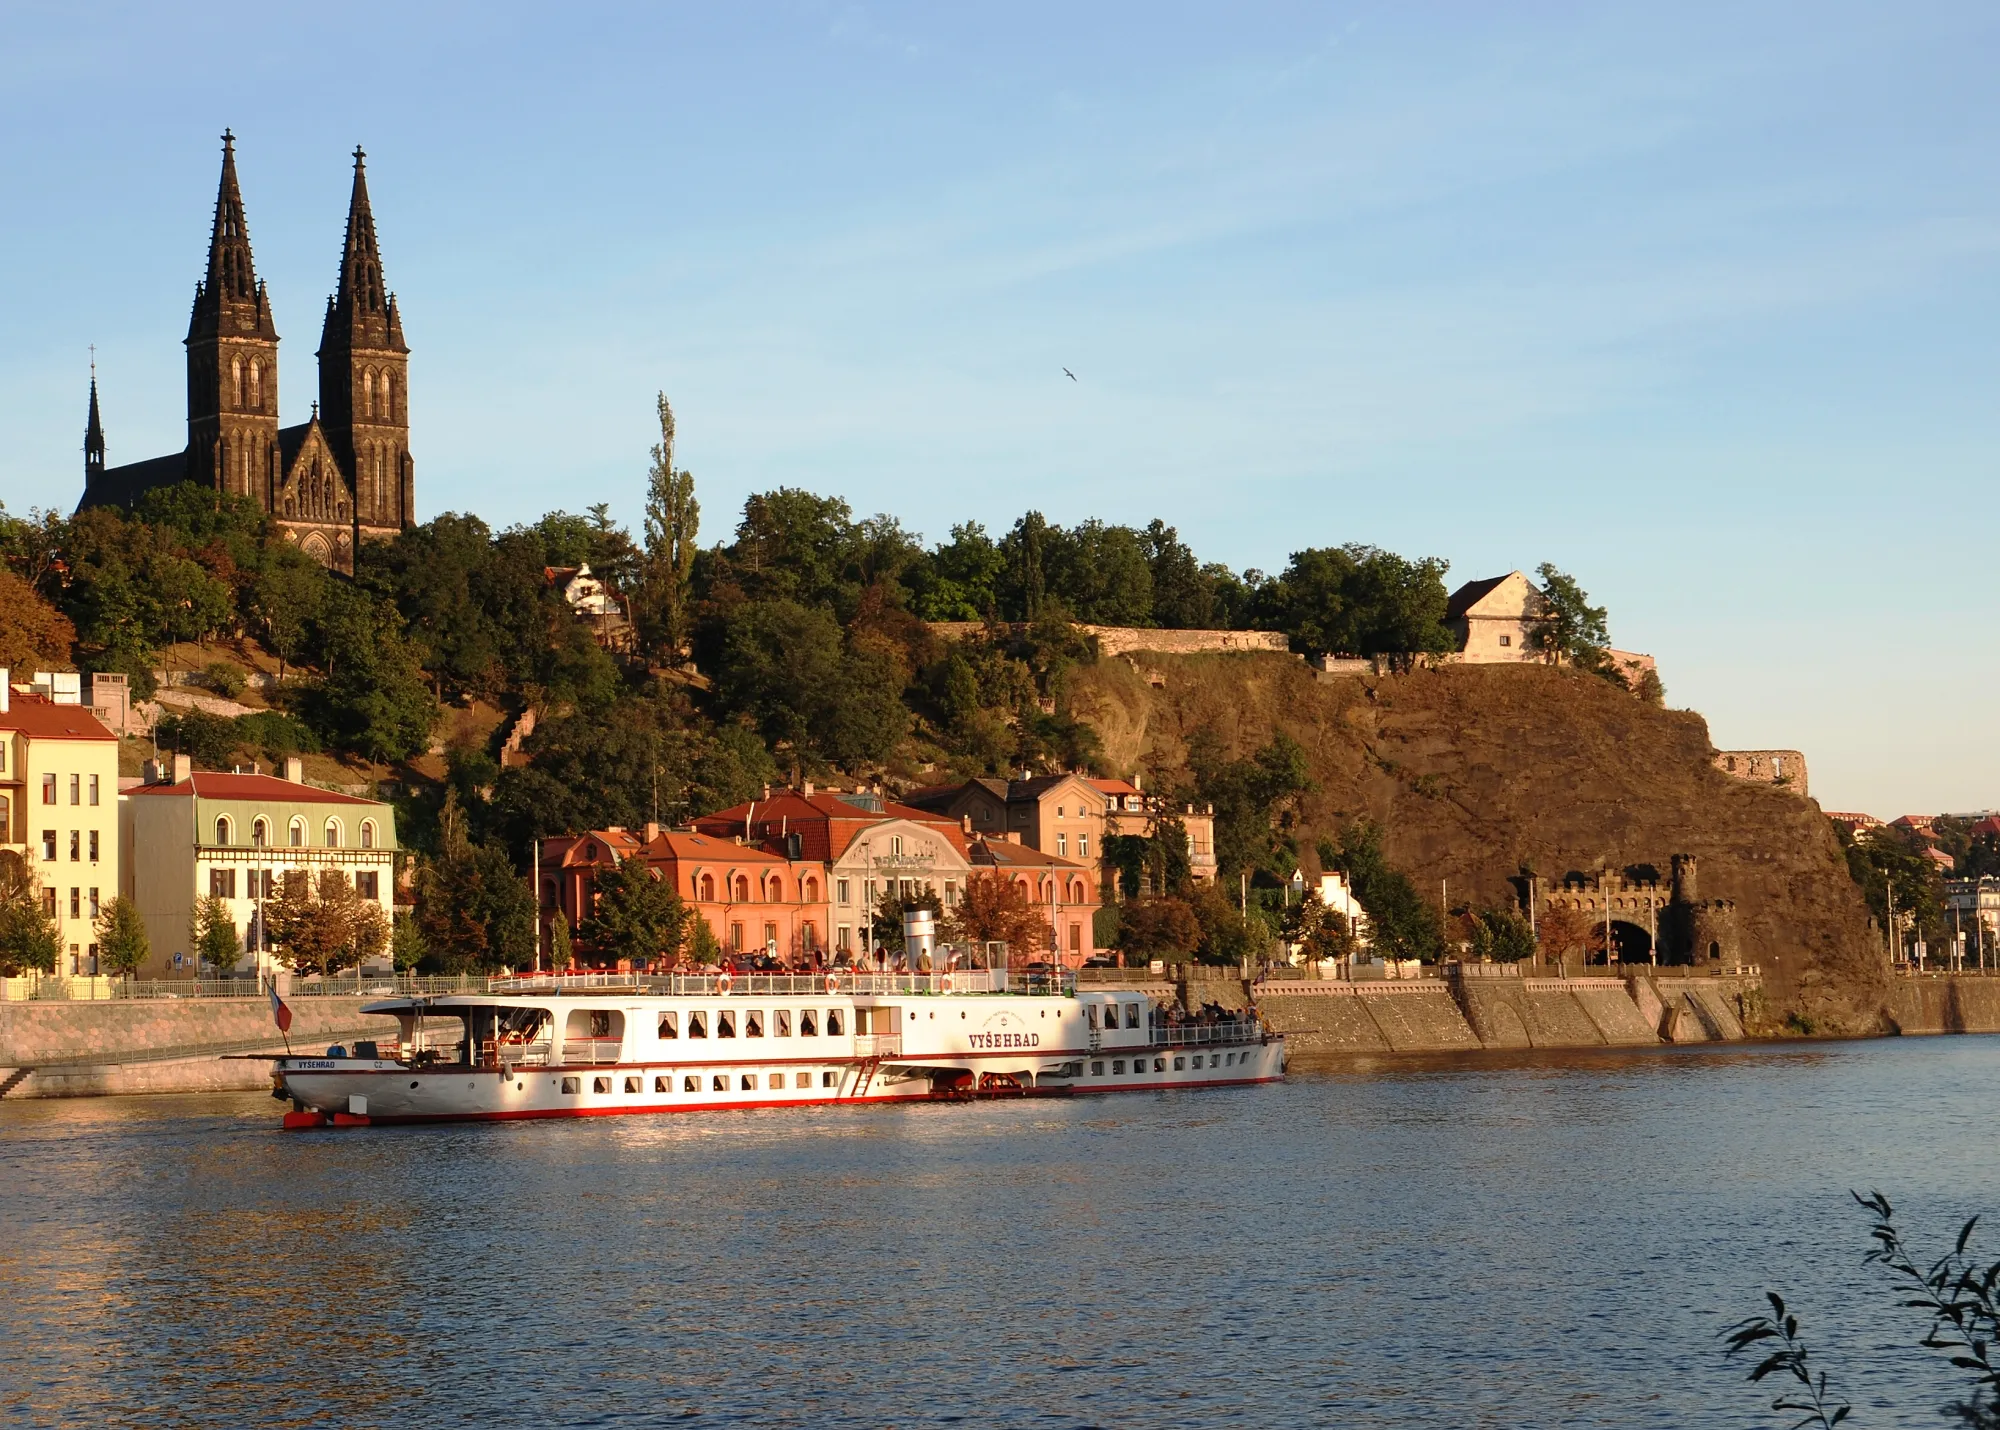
836,982
1201,1035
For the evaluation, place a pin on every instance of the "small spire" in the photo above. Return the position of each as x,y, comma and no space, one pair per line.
93,430
315,416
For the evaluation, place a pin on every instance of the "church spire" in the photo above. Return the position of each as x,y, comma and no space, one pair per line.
232,277
93,435
360,296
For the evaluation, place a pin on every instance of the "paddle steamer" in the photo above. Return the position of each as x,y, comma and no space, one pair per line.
600,1045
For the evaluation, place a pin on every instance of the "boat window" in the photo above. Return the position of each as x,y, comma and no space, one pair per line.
1097,1069
753,1022
1118,1065
829,1079
781,1023
749,1082
697,1025
690,1084
670,1025
725,1024
570,1084
802,1079
1159,1064
807,1028
662,1084
833,1022
1180,1064
600,1084
1131,1015
633,1084
719,1083
525,1025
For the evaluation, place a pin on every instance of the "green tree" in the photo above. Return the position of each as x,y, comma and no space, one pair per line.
407,947
1166,929
561,952
324,925
1255,801
122,945
1316,931
30,942
1403,923
1358,600
1570,631
286,597
371,696
473,909
786,669
1501,936
1885,861
212,934
635,914
673,521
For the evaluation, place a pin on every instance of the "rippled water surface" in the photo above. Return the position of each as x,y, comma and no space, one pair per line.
1552,1241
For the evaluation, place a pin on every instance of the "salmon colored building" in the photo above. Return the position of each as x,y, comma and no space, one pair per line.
752,899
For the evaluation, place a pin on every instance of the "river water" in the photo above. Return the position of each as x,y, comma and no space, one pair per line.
1534,1241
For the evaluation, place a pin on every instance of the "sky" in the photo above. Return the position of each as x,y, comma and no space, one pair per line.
1697,302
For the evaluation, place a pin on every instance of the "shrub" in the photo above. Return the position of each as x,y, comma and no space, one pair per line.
223,679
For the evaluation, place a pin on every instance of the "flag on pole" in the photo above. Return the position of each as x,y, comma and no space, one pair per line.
280,1013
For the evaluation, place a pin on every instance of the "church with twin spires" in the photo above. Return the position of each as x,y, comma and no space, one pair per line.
329,483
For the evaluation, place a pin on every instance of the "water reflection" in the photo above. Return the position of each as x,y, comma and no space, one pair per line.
1527,1240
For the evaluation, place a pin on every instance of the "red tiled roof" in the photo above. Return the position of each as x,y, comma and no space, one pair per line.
1120,787
676,845
825,823
1004,853
42,719
209,785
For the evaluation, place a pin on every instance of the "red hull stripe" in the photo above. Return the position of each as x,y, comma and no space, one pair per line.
763,1104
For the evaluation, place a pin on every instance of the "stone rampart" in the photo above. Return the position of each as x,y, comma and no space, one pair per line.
1123,640
1786,768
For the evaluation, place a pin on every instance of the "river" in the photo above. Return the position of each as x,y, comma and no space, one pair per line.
1531,1241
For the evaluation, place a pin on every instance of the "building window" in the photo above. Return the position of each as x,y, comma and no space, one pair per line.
93,904
76,789
843,938
48,789
49,902
222,830
841,892
1062,845
93,846
75,846
222,883
736,938
76,903
260,832
333,834
367,834
298,834
1083,846
708,888
93,789
49,846
895,846
368,884
1506,640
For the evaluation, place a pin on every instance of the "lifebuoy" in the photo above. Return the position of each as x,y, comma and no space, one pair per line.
723,982
832,983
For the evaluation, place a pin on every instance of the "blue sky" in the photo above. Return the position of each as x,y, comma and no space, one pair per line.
1698,302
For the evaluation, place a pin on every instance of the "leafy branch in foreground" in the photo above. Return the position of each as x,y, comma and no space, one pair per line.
1790,1358
1961,1296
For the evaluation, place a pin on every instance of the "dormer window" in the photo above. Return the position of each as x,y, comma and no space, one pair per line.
222,830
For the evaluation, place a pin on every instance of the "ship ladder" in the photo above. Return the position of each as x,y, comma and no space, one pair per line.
867,1075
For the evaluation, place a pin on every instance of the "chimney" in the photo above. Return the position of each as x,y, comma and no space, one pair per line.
965,823
652,831
1136,783
183,769
809,789
295,769
767,793
6,690
151,773
1013,836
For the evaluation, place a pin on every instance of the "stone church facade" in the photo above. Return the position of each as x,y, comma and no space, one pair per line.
330,483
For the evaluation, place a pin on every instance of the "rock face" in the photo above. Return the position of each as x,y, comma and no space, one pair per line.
1476,773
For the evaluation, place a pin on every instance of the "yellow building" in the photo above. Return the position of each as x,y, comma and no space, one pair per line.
59,808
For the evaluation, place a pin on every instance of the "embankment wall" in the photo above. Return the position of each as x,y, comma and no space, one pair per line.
1945,1005
61,1049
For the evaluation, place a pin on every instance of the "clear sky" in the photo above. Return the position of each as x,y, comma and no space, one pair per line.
1697,301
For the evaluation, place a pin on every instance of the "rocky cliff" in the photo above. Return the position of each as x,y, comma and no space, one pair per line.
1477,771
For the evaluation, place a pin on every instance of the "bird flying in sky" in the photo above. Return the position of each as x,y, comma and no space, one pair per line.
1068,374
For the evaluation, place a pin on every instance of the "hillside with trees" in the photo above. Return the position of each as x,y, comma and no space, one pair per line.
801,645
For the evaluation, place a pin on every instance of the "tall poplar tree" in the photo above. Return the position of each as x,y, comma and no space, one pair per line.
673,519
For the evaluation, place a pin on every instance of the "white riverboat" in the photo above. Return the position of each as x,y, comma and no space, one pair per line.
601,1045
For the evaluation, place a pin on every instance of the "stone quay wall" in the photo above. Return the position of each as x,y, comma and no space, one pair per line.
63,1049
1952,1003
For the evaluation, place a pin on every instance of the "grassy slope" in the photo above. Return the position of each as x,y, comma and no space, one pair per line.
1474,771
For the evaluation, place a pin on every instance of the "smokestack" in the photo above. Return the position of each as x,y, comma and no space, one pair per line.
183,769
295,769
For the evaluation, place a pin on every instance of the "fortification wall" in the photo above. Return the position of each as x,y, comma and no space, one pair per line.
1122,640
1784,768
1963,1004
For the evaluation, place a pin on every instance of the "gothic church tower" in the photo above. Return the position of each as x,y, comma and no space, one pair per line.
232,359
364,369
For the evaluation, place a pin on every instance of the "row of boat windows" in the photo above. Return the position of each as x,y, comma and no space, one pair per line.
1111,1015
717,1082
1215,1060
754,1023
